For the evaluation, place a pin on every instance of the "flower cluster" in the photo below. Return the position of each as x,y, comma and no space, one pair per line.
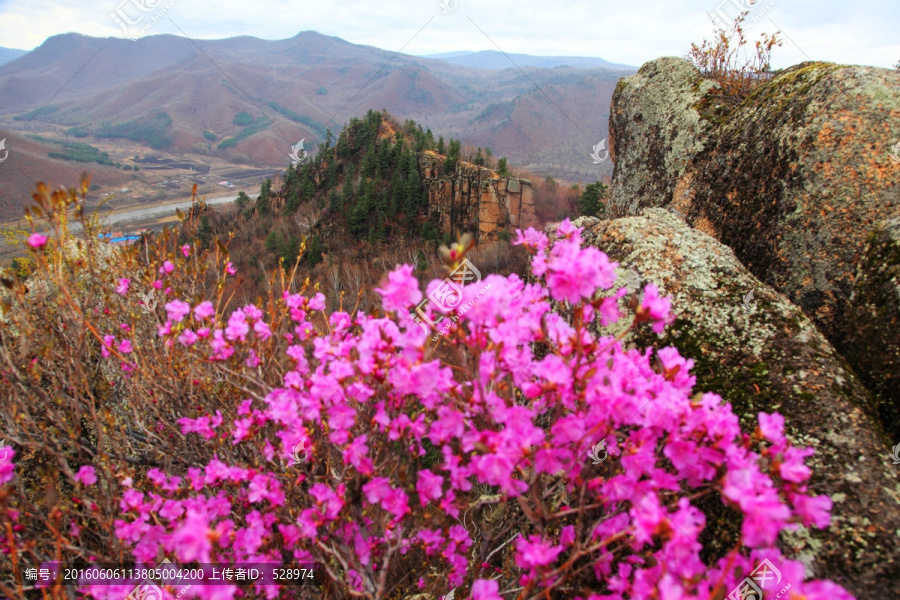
404,447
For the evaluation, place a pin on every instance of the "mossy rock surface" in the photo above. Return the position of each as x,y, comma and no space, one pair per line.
872,331
654,133
769,359
797,178
794,179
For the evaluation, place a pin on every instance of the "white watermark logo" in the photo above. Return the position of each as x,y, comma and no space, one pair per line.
448,5
298,154
149,304
147,590
896,454
448,294
3,148
765,575
748,304
600,147
895,153
299,455
594,454
134,28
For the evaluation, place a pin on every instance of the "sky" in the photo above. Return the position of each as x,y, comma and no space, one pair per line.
631,32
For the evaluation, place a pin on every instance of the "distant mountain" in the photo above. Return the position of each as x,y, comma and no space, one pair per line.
170,94
493,59
8,54
28,160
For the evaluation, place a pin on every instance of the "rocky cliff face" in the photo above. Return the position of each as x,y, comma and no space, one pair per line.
795,180
476,199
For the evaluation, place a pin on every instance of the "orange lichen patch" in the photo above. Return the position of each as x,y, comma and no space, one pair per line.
856,137
706,226
731,196
683,196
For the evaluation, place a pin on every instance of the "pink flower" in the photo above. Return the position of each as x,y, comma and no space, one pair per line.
535,552
429,486
177,310
262,330
772,427
122,288
186,250
167,267
229,269
656,308
813,510
7,466
86,475
36,240
401,290
125,346
825,590
574,273
531,238
108,341
237,328
190,541
486,589
793,467
204,310
164,329
187,338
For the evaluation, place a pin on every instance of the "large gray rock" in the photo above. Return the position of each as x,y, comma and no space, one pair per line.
771,358
793,179
654,133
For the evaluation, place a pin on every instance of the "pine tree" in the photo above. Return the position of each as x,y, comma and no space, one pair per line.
589,203
307,185
314,252
384,158
369,162
440,146
413,192
272,242
289,249
204,232
501,168
293,201
262,202
334,202
452,160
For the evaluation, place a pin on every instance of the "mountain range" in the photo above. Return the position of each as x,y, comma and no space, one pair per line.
250,100
494,59
9,54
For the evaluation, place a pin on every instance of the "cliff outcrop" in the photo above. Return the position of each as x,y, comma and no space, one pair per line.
477,199
796,179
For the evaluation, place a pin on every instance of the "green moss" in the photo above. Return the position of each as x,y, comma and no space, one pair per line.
793,85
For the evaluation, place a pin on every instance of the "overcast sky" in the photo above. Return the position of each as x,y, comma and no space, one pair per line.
624,31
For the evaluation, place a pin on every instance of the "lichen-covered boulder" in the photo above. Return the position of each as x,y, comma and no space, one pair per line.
654,133
770,357
872,331
793,179
797,177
